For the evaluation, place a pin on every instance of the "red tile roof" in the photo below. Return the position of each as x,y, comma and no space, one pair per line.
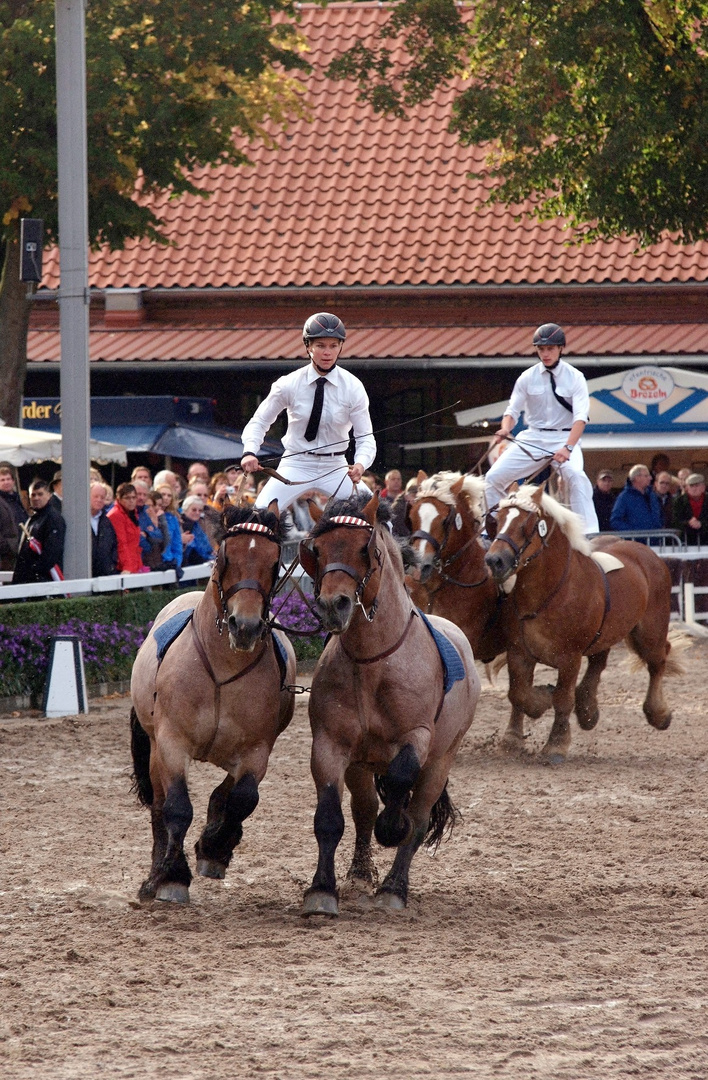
354,198
278,343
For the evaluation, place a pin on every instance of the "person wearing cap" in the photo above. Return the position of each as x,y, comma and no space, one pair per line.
554,398
323,402
637,506
603,499
690,510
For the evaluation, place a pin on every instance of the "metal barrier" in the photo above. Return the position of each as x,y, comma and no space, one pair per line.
659,539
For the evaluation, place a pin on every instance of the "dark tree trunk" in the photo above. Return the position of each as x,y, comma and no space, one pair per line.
14,321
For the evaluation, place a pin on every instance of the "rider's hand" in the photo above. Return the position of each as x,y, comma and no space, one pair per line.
355,472
562,455
249,463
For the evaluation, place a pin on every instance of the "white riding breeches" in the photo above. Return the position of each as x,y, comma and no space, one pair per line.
515,464
309,472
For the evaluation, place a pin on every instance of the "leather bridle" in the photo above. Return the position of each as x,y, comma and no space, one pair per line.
244,527
310,564
438,546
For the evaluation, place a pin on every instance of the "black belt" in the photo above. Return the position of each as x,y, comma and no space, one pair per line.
553,429
337,453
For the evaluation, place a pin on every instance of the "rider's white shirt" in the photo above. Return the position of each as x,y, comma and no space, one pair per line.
345,406
533,395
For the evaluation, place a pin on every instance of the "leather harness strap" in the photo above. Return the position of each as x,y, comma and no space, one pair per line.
608,605
224,682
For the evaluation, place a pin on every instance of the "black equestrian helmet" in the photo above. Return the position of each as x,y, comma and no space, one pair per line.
549,334
323,325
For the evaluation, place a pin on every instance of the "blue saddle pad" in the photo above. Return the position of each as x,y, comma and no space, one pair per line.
280,655
168,631
453,668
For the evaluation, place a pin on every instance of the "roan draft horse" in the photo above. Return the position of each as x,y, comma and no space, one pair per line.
451,578
218,692
573,599
385,704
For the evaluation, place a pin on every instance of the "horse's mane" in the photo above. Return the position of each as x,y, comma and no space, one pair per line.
237,515
353,506
571,524
439,485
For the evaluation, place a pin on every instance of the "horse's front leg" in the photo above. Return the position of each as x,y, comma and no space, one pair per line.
328,765
170,876
229,805
586,708
558,742
429,809
523,695
364,807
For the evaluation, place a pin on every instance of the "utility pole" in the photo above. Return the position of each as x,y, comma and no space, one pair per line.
73,287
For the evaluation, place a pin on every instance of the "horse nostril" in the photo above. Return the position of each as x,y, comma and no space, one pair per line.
342,604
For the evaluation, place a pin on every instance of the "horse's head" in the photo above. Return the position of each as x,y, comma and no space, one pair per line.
246,573
343,561
444,517
521,529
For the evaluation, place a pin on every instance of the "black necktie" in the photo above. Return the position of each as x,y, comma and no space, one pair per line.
314,422
563,401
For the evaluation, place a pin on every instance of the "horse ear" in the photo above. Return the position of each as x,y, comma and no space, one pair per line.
273,508
369,511
456,488
512,489
538,494
315,510
421,477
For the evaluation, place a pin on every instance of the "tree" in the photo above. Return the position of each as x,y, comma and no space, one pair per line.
168,85
594,110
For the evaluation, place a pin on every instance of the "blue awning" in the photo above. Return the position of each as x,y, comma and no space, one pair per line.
134,437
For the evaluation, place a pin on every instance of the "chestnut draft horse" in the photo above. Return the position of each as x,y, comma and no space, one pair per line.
218,692
573,599
386,702
452,578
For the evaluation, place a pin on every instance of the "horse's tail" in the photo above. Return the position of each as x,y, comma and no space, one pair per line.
140,750
443,818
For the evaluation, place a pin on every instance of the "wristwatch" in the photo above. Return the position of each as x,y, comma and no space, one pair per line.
569,448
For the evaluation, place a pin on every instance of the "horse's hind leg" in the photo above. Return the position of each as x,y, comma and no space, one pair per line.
364,807
654,653
230,804
586,707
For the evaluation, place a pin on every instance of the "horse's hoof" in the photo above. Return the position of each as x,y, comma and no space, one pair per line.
320,903
389,901
551,757
587,723
173,893
146,892
211,868
661,724
511,744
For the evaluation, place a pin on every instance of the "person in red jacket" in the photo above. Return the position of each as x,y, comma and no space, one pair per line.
124,520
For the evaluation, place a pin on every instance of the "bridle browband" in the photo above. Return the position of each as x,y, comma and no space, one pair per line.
310,565
245,583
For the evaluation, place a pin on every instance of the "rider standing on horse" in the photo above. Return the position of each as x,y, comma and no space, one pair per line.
554,398
323,403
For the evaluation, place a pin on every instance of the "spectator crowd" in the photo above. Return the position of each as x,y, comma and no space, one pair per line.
165,522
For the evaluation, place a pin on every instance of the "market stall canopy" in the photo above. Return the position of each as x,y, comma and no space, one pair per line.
648,407
18,446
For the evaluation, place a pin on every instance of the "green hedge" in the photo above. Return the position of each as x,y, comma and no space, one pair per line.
111,628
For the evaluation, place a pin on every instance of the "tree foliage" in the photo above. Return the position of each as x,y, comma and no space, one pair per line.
168,86
594,110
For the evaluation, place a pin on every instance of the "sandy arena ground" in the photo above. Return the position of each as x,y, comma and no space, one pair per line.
562,932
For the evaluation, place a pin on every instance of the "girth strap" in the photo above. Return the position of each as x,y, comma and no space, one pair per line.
608,605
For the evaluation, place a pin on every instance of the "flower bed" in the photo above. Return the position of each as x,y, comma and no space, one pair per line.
111,630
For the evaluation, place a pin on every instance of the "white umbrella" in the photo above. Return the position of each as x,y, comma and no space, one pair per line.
19,446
